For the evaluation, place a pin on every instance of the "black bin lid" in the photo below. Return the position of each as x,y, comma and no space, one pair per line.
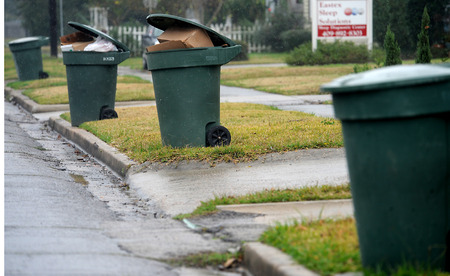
164,21
93,32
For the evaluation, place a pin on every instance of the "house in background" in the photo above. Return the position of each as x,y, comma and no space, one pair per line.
300,7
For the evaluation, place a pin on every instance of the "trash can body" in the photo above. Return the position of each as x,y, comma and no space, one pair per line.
187,85
28,57
396,126
185,113
92,80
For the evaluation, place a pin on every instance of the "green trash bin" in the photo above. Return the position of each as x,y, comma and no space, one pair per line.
28,57
92,79
396,126
187,87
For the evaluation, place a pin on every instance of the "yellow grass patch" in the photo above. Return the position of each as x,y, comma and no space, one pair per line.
255,130
49,95
284,80
124,92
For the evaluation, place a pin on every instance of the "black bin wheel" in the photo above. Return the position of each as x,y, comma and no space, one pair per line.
43,75
108,113
218,136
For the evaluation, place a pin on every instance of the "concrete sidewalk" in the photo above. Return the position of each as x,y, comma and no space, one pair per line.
180,188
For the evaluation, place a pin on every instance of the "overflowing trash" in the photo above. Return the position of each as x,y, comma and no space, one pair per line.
182,37
80,41
101,45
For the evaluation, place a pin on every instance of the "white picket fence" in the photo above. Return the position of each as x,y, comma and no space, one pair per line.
132,36
242,33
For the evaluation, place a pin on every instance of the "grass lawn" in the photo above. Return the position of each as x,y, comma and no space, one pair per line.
255,130
254,58
302,80
330,247
54,90
324,192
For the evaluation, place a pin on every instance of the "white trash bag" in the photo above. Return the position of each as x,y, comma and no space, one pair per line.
101,45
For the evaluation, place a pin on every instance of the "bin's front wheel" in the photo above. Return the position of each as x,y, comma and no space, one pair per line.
218,136
108,113
43,75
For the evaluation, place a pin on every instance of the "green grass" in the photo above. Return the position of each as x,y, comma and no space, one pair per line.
329,247
255,130
324,192
203,260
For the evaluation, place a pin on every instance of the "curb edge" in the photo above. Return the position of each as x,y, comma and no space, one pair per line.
262,259
110,156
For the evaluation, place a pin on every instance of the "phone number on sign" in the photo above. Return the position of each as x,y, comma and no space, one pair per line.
342,30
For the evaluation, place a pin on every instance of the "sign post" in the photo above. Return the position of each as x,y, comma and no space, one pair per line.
342,20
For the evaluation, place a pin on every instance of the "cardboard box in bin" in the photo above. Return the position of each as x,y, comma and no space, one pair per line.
78,41
179,38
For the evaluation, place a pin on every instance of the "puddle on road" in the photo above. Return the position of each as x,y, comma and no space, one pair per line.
79,179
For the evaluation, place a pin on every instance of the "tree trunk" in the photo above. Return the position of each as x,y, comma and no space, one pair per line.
53,28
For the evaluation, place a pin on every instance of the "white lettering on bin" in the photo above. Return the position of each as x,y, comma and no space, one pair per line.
108,58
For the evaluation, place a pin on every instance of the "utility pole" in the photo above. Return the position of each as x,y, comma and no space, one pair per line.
53,28
61,18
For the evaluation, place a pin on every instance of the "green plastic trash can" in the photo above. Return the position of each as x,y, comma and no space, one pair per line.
396,126
187,87
28,57
92,79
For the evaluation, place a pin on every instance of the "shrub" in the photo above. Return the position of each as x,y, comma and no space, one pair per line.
328,53
293,38
423,44
361,68
378,56
391,48
243,55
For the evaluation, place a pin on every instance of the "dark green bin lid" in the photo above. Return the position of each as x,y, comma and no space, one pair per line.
389,77
28,43
164,21
392,92
95,33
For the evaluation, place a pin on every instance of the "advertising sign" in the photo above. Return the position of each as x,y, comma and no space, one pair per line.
342,19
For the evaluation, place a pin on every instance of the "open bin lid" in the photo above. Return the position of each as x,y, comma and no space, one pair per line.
164,21
95,33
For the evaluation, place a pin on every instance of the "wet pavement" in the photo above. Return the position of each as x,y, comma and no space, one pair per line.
160,191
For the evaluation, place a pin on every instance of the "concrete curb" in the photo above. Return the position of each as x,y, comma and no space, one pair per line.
261,259
110,156
31,106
